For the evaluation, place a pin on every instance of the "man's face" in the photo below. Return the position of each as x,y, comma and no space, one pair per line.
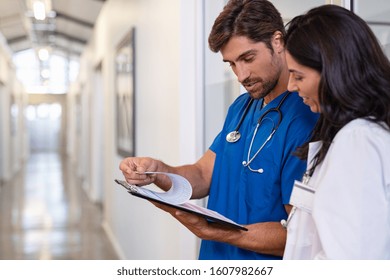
256,68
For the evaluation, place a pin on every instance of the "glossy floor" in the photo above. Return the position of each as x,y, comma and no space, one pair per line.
45,214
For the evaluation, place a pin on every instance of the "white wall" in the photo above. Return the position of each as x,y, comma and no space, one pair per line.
166,91
13,143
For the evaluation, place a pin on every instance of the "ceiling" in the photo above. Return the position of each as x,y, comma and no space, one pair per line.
67,27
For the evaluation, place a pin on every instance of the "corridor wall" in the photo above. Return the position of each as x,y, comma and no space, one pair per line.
13,101
167,120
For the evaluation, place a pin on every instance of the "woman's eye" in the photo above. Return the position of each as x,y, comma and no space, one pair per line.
298,78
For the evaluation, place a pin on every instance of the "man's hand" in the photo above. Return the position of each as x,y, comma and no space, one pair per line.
199,225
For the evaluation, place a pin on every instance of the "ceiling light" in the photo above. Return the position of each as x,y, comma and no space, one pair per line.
45,74
39,10
43,54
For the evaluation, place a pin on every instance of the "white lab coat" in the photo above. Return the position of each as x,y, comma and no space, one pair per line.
350,209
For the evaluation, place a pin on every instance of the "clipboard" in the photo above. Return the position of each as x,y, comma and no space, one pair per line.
210,215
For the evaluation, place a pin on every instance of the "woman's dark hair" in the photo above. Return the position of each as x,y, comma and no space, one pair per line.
355,72
257,20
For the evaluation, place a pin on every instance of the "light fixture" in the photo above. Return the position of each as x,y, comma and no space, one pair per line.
39,10
43,54
45,74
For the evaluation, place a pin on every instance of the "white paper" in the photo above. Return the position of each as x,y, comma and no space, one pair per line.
178,196
180,192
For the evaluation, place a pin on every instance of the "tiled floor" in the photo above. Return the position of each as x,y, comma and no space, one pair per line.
44,214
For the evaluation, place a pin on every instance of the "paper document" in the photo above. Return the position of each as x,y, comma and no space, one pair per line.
178,196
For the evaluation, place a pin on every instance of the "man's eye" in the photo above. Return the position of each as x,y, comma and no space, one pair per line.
249,59
230,63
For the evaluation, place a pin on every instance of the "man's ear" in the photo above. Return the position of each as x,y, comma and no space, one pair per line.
278,42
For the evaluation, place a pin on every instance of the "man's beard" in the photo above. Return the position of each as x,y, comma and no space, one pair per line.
268,84
266,88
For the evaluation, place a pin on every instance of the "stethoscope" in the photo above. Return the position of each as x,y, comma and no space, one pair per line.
235,135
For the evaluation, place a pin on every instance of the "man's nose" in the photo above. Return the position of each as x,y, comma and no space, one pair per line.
242,73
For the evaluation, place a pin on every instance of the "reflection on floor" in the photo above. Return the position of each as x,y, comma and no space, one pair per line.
45,214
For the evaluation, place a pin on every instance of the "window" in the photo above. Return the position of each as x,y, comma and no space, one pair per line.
49,75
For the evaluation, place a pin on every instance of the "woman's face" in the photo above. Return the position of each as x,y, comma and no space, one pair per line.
305,81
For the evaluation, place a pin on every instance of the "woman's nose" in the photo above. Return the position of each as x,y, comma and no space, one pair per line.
291,86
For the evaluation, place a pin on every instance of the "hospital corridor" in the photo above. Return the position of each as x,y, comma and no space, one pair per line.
44,214
87,83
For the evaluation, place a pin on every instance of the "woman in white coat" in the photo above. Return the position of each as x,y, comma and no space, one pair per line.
342,206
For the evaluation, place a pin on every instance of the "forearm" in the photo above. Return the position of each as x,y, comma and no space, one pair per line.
265,238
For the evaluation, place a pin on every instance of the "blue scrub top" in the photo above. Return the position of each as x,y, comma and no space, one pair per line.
249,197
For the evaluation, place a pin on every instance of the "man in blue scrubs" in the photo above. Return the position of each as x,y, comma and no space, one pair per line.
249,180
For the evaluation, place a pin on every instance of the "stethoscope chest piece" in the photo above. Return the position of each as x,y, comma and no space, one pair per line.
233,136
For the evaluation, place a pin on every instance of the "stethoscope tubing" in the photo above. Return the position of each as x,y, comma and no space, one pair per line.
244,114
235,132
234,136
